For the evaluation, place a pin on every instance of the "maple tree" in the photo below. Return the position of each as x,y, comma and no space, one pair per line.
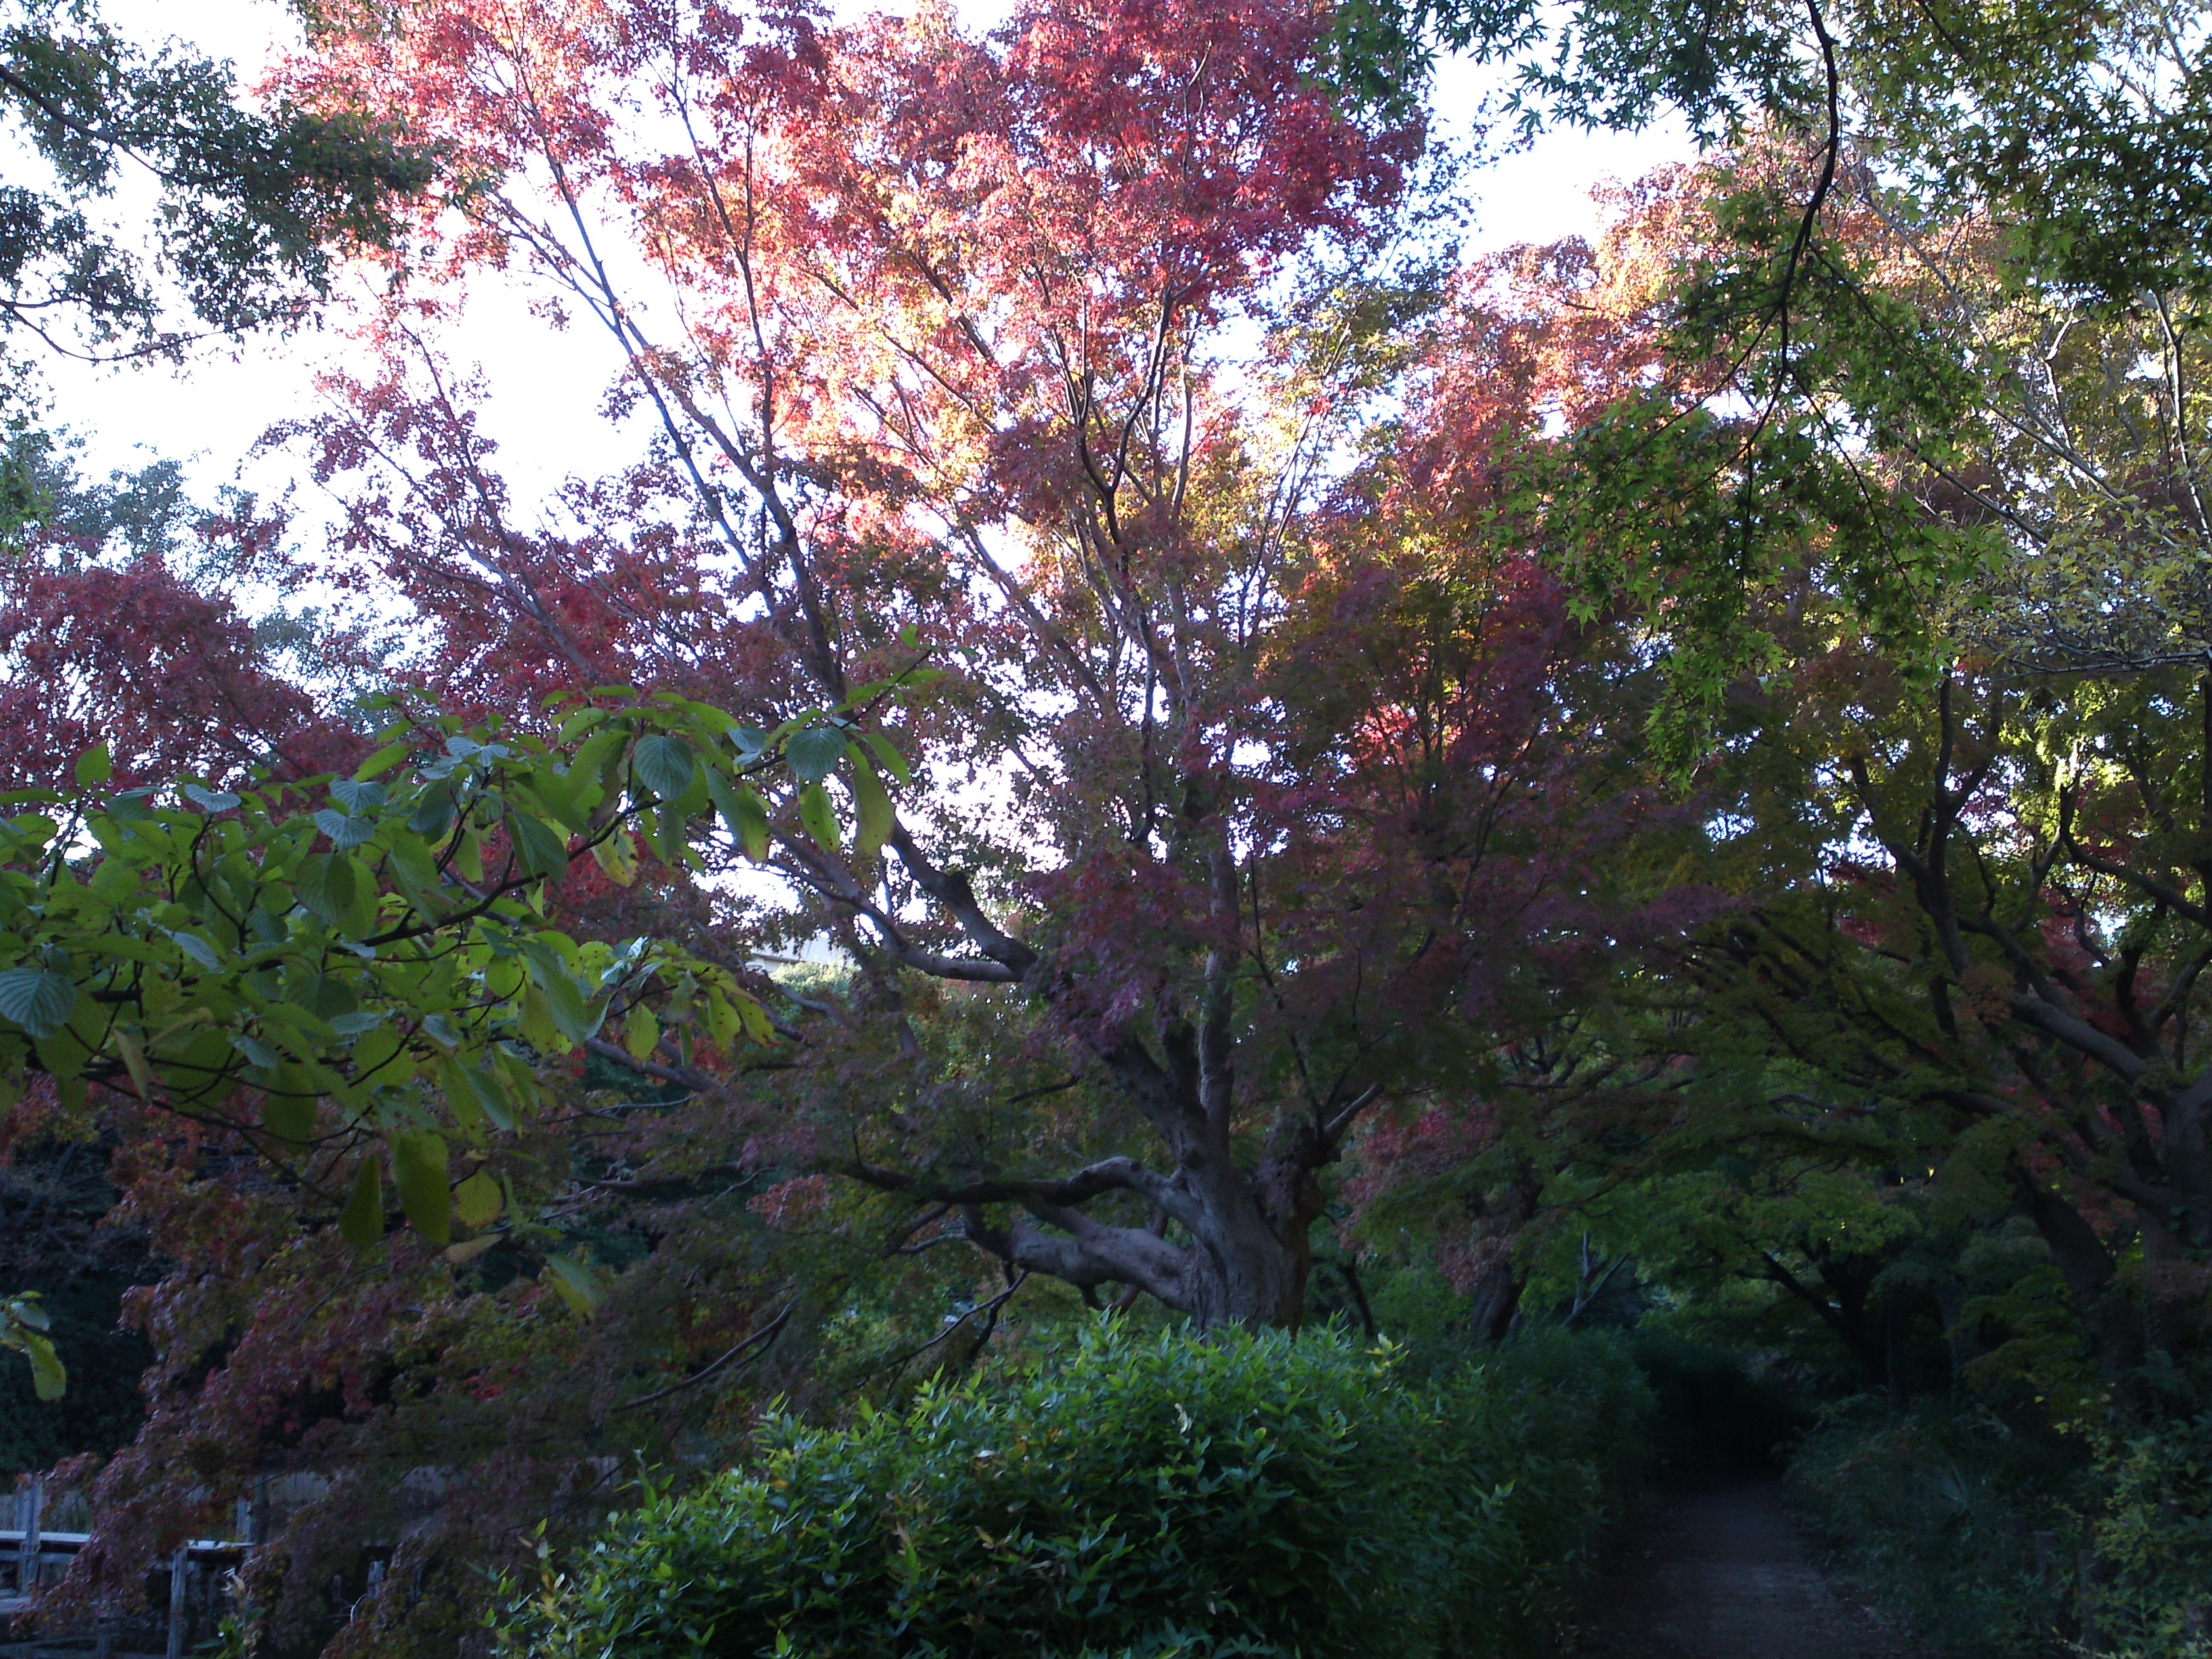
1640,750
941,313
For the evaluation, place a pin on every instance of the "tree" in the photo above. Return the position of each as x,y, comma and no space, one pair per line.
252,202
945,308
2074,134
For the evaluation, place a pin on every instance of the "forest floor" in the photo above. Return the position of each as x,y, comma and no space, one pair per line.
1722,1572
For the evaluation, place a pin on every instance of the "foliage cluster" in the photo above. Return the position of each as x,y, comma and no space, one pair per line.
1137,1495
1659,782
2004,1539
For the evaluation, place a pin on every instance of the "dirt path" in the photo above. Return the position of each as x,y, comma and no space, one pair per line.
1723,1574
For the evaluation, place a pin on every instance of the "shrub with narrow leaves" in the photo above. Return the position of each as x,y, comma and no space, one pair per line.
1230,1494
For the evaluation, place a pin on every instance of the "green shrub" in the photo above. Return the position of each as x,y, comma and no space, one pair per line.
1938,1509
2005,1541
1173,1495
2152,1538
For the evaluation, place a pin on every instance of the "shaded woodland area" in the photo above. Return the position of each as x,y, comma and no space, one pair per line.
1175,923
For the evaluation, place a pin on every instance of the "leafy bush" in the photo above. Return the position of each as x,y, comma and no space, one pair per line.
1937,1510
1232,1494
2152,1538
2008,1540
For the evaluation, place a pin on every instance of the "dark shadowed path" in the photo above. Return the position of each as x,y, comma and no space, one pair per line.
1723,1574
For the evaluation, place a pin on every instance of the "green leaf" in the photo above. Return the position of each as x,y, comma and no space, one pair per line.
877,820
323,884
819,817
641,1033
209,800
418,1170
287,1109
477,1201
578,1285
888,754
49,1376
433,815
38,999
195,947
541,849
556,797
743,812
617,855
360,1224
665,765
358,796
579,723
383,760
669,837
345,832
814,753
131,806
573,1016
94,766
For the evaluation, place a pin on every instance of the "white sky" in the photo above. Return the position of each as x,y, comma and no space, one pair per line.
545,386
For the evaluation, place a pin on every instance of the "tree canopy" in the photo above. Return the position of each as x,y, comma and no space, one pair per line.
1123,726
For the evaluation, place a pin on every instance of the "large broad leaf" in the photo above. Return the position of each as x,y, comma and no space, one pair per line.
744,811
323,884
360,1224
357,797
49,1376
819,817
574,1015
617,855
328,998
874,803
346,832
288,1110
434,816
665,765
814,753
579,1286
887,753
38,999
418,1170
641,1033
541,849
477,1201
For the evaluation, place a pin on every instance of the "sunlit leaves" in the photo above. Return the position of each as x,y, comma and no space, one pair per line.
344,964
23,1327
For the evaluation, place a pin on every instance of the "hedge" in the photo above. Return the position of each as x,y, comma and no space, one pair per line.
1138,1498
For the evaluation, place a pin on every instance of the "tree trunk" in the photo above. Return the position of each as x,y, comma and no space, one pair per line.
2091,1274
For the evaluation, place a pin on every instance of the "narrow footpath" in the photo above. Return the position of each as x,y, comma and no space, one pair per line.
1724,1574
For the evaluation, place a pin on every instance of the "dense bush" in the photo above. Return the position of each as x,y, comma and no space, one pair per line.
2003,1541
1939,1510
1171,1495
2151,1538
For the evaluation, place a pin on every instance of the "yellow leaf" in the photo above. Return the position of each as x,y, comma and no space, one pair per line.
618,856
477,1201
